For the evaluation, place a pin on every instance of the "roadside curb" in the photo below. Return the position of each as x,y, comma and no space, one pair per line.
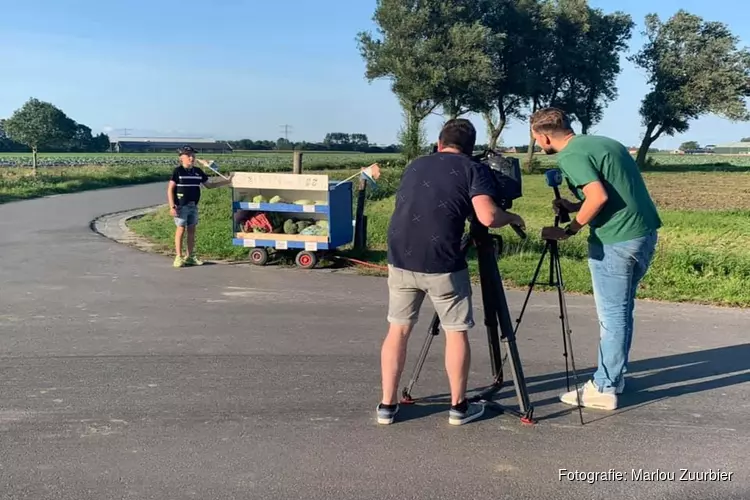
114,226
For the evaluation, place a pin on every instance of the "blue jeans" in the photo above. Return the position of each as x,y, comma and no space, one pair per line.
616,271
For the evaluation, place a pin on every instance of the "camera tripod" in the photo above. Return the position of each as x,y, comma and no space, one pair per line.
556,280
496,313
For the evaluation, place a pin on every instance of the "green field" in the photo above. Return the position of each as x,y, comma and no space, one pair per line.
703,254
67,173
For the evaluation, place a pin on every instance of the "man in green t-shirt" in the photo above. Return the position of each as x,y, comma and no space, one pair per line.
623,220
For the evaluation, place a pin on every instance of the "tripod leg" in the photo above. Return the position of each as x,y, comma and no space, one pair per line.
490,318
509,339
566,329
432,332
497,313
531,286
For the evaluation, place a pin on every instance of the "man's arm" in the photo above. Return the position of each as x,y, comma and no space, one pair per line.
596,198
581,172
481,191
490,215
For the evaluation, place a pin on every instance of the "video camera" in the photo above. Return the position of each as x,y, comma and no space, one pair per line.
507,174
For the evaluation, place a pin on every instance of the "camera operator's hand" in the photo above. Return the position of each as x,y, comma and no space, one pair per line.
554,233
517,220
567,206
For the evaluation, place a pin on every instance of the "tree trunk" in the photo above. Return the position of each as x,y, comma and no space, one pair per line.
411,135
648,140
33,160
495,130
529,166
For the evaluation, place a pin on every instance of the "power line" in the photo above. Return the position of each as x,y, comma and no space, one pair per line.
286,129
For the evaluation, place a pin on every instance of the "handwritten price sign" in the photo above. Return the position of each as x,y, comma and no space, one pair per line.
280,181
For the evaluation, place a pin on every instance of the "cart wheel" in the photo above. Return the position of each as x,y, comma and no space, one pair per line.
306,260
259,256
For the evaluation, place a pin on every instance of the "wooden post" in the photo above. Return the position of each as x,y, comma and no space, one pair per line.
360,224
297,165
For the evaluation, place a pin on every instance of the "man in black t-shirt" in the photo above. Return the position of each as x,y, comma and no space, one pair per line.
437,194
184,193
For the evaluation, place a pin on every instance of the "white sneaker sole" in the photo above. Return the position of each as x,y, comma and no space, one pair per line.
610,404
388,420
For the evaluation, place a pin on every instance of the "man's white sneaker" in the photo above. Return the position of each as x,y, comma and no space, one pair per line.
591,398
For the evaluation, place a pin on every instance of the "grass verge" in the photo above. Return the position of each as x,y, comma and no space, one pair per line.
19,184
703,254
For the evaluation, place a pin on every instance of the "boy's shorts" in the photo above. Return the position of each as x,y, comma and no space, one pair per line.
187,215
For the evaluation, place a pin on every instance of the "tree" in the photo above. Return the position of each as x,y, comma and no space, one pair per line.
689,146
429,52
504,95
360,141
100,143
82,140
573,58
745,139
38,124
558,28
593,82
694,68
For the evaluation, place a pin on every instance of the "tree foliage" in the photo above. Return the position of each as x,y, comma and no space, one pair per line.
694,68
431,51
40,124
502,59
689,146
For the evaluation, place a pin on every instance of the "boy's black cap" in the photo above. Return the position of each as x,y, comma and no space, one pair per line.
186,150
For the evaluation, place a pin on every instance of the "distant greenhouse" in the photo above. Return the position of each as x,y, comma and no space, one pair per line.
732,148
167,145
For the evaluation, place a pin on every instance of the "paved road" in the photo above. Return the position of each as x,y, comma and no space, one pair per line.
124,378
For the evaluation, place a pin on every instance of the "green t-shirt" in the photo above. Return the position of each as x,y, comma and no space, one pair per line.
629,212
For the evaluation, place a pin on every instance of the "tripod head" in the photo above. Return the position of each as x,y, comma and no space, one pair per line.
553,177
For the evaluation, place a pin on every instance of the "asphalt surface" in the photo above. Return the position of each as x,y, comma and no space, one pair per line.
122,378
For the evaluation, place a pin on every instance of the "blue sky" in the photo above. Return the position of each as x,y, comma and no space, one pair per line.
233,68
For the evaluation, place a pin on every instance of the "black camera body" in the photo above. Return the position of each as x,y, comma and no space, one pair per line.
507,174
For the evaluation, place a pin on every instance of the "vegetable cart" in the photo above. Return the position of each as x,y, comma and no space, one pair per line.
305,214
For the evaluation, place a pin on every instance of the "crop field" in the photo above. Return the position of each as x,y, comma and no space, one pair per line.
260,161
67,173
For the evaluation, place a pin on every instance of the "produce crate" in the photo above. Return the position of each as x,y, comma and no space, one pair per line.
310,199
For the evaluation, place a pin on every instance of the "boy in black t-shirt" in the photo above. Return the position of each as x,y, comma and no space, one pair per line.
184,193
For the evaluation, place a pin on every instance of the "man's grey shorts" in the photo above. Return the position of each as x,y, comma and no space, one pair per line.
450,294
187,215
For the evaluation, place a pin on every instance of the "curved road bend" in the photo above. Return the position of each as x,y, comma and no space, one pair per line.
125,378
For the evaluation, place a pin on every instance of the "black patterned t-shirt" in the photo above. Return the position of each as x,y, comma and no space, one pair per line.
433,203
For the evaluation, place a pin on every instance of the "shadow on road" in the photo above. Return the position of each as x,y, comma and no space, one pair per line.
648,380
